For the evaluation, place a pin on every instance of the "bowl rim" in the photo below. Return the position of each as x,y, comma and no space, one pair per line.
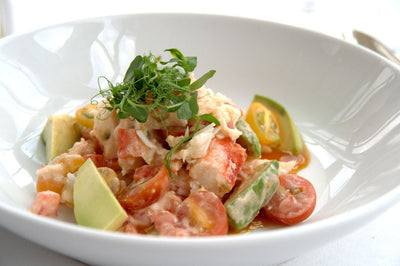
245,19
371,209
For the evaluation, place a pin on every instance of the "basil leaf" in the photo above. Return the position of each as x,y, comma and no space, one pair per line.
173,108
189,108
139,113
184,111
191,63
184,82
135,64
187,63
122,115
138,74
172,60
202,80
210,118
176,54
194,106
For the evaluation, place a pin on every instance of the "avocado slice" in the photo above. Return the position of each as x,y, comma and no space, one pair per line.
254,193
59,134
94,203
248,139
290,139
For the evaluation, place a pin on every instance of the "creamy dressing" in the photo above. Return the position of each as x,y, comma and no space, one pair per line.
204,163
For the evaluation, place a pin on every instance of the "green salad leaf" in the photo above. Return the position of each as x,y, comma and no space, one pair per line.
152,86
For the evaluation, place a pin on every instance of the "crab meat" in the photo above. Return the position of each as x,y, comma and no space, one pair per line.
217,170
46,203
132,152
103,130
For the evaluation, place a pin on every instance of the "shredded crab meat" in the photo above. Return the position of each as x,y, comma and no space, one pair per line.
221,108
197,146
210,161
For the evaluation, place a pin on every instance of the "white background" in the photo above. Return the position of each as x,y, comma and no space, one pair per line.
377,243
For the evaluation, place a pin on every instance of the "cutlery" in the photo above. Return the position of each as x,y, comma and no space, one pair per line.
375,45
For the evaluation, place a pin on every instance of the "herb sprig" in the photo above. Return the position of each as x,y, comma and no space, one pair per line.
152,86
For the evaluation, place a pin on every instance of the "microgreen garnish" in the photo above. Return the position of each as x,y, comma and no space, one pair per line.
152,86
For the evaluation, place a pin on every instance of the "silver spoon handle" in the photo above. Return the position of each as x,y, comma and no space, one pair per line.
375,45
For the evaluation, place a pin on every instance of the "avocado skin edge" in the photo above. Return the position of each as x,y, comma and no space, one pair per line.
59,134
248,139
245,202
291,140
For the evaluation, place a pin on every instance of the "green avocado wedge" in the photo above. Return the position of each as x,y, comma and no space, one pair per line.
291,140
94,203
59,134
254,193
248,139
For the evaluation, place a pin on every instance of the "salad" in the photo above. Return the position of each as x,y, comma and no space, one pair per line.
159,153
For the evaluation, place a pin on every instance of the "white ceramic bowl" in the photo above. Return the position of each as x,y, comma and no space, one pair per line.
344,99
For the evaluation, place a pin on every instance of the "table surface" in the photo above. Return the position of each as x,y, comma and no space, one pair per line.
377,243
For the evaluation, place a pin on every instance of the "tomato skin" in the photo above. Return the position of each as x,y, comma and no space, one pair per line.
85,115
166,223
100,161
144,172
129,144
141,195
203,214
293,202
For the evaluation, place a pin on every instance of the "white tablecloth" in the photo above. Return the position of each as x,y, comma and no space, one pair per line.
375,244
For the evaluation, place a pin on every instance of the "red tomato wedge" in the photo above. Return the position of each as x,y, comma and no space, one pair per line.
130,144
100,161
141,195
293,202
144,172
203,214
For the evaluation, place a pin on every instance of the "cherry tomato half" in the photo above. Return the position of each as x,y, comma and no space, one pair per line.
264,123
141,195
100,161
144,172
293,202
203,214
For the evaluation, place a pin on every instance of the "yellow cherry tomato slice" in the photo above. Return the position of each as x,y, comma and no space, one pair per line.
85,115
264,123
